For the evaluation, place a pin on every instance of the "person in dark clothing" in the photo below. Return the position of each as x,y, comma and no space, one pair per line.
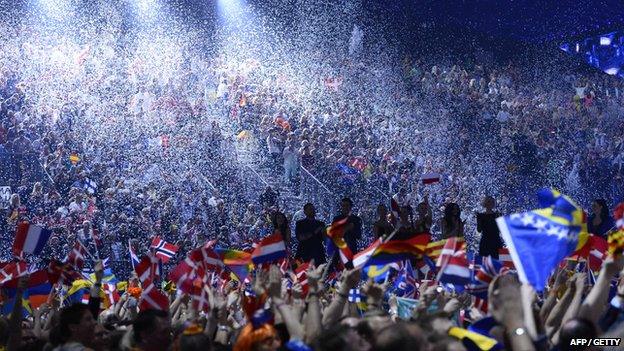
382,227
269,198
600,221
486,225
353,228
310,232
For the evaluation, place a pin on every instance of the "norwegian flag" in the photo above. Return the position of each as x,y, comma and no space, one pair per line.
152,299
163,250
76,256
505,258
302,277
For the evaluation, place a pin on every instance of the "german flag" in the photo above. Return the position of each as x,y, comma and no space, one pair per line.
398,250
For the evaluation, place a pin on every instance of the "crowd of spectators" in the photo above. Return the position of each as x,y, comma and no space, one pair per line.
94,138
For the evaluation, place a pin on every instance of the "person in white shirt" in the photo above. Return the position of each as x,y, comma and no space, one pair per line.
291,161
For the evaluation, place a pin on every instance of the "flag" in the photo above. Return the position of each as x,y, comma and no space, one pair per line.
430,178
111,293
454,264
355,296
238,262
134,259
152,299
595,251
405,285
147,269
181,275
377,272
30,238
36,294
434,249
269,249
483,274
399,250
405,307
361,258
12,270
336,233
208,257
505,258
616,242
76,256
474,341
538,240
302,277
162,249
7,307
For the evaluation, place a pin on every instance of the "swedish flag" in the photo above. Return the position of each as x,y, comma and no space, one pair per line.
539,239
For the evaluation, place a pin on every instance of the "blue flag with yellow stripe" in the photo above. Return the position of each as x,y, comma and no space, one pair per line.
539,239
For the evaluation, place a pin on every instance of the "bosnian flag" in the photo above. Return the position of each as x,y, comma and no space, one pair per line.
430,178
30,238
269,249
163,249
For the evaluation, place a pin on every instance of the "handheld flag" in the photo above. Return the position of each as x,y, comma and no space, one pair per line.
30,238
538,240
163,250
269,249
336,233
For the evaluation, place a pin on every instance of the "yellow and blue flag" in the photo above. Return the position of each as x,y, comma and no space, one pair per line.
539,239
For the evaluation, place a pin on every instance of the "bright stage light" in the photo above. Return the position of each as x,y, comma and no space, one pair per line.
605,41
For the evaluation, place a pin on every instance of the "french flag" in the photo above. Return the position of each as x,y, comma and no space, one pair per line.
269,249
30,238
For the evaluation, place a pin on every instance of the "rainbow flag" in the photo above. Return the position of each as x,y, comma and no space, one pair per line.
399,250
239,262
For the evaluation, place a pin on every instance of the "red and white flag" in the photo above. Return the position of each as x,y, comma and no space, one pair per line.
152,299
430,178
302,277
505,258
77,255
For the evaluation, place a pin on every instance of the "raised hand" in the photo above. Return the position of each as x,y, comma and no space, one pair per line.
275,281
314,277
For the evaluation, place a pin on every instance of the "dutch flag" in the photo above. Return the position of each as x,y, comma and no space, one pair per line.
30,239
269,249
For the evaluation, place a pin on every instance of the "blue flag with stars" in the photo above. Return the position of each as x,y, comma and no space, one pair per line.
539,239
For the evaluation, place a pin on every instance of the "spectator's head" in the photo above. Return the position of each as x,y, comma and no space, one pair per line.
600,208
152,330
345,206
574,329
401,336
76,324
342,338
489,202
309,210
451,211
264,338
193,339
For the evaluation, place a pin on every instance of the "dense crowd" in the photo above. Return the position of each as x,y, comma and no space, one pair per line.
113,145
